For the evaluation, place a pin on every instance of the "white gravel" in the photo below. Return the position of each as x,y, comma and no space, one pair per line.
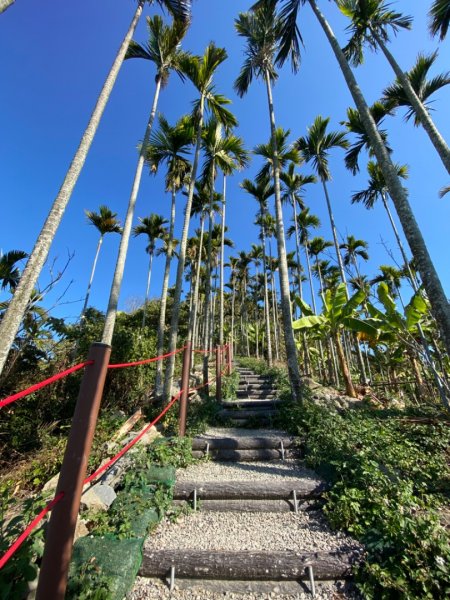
285,532
249,471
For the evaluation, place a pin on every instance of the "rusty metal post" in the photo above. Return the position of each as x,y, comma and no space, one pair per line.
185,389
218,375
58,544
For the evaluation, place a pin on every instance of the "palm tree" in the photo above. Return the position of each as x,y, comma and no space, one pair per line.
293,184
261,192
153,228
290,44
224,152
9,272
395,96
439,18
18,305
162,49
262,29
316,247
104,221
200,70
4,4
354,249
315,148
169,145
371,22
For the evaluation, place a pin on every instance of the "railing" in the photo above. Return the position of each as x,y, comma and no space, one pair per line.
72,479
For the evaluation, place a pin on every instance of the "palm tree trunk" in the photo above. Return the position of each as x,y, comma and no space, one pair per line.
349,389
193,321
266,300
208,339
164,291
291,350
182,259
233,301
4,4
430,278
335,239
149,276
222,261
13,316
421,112
91,279
111,312
297,248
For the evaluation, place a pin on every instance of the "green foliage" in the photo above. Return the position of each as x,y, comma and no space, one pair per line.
176,452
230,385
90,583
22,567
390,475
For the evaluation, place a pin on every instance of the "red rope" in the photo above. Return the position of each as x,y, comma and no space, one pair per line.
44,383
146,360
23,536
134,441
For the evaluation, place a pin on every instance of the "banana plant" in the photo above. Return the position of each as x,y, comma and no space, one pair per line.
339,314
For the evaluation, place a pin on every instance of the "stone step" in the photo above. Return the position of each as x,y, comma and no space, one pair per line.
256,395
250,490
261,454
248,506
210,564
242,443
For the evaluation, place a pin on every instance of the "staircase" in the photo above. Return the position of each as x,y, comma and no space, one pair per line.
256,400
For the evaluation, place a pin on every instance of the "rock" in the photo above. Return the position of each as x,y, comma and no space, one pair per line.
80,529
51,483
149,437
98,497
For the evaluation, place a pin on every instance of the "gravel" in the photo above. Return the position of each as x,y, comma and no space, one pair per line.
219,432
285,532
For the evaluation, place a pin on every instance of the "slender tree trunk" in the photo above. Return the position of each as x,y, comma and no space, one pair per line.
4,4
14,314
193,320
147,290
266,299
233,300
433,286
182,258
111,312
349,389
222,261
297,248
208,340
274,313
164,291
421,112
335,239
289,340
91,279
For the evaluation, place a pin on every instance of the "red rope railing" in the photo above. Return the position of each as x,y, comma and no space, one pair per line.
35,522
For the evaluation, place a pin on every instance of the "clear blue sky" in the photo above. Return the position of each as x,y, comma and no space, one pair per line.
55,56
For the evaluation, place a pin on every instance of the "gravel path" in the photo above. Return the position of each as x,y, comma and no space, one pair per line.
305,531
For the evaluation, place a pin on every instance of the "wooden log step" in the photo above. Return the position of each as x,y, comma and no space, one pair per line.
249,490
245,414
247,506
210,564
263,454
250,403
241,443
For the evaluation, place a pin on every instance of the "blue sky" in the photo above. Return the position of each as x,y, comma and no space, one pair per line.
55,56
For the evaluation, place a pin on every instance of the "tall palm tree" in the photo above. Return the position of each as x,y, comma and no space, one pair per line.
163,50
4,4
261,29
200,70
18,305
153,227
289,44
225,152
9,271
315,148
354,249
395,95
439,18
293,184
169,145
371,22
316,247
104,221
261,192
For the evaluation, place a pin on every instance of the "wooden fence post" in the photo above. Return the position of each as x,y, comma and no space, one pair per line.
61,528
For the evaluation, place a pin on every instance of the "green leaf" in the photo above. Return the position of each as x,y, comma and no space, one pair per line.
338,301
360,326
307,311
386,299
415,310
354,302
309,322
